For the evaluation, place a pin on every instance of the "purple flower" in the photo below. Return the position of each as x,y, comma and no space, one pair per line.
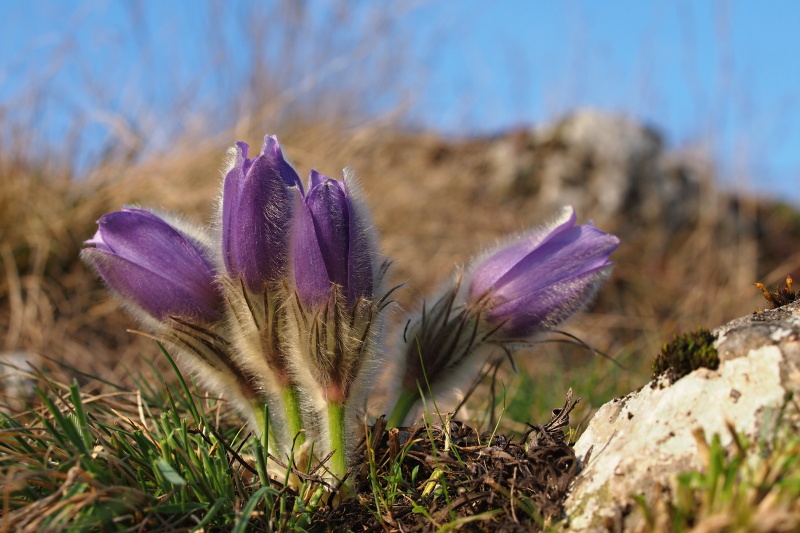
331,243
543,277
153,265
256,214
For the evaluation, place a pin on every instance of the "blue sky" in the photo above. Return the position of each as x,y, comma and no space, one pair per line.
721,75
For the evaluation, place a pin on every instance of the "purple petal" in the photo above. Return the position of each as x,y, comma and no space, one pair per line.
256,220
492,269
547,306
330,210
545,277
241,160
97,242
134,246
272,149
311,276
151,243
231,191
360,275
315,179
156,293
568,254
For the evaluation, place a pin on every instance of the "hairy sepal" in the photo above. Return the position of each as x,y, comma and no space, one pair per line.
332,354
256,324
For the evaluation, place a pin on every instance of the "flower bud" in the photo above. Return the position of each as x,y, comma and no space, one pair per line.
257,214
335,320
332,243
152,265
542,277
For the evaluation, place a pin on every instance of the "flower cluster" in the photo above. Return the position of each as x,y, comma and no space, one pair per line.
283,309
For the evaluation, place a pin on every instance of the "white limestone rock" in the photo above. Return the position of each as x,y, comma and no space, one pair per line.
643,440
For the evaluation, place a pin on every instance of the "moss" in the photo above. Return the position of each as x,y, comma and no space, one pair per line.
686,353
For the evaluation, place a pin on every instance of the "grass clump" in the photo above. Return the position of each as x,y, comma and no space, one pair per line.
79,458
82,461
745,487
686,353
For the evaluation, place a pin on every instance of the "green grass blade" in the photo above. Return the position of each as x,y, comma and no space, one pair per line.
190,399
210,515
243,519
169,473
80,414
63,423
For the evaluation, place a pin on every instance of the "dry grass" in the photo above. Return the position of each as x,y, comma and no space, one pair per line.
433,208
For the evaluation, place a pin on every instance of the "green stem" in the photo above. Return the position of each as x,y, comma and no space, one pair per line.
408,398
338,462
294,416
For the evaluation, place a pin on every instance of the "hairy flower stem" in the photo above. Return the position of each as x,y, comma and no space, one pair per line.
294,416
336,429
408,398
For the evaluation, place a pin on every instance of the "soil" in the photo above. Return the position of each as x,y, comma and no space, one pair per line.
518,485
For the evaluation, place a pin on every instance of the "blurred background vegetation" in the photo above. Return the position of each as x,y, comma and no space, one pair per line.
336,82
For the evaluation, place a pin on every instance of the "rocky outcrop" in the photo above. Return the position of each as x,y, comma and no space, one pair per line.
637,444
602,163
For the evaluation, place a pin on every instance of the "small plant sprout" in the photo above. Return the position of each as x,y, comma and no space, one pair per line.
524,286
283,308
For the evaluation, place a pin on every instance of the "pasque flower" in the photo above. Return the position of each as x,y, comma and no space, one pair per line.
154,266
336,316
525,286
257,214
334,260
543,277
164,273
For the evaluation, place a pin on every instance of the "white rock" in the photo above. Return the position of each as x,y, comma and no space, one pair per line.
16,386
646,438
